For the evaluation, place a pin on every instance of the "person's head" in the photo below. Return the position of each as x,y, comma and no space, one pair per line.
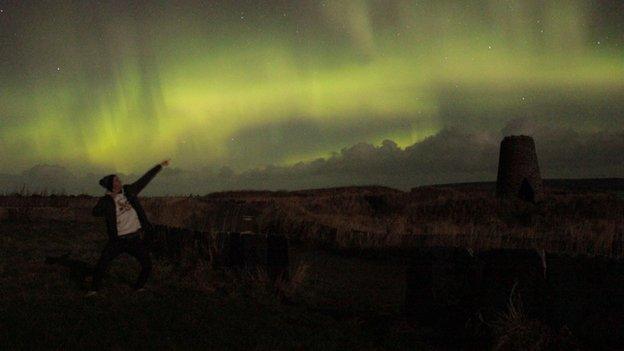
112,183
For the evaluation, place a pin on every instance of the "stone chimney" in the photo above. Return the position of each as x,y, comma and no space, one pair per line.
518,169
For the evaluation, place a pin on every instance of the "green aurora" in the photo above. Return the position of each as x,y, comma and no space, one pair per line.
118,86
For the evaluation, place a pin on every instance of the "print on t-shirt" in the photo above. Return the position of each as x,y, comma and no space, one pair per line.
127,217
123,204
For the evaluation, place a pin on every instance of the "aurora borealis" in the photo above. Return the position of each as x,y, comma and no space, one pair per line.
118,86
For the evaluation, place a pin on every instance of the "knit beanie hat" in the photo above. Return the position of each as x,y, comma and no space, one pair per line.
107,182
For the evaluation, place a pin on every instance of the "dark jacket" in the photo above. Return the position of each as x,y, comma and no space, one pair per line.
105,206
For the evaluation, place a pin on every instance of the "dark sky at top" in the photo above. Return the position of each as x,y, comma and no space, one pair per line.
294,94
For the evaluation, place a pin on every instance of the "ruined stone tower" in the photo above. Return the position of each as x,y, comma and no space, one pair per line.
518,169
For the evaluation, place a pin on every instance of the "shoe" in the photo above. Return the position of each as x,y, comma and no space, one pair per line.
140,290
91,293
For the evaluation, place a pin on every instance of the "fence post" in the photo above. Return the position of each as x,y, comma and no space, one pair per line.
419,281
277,257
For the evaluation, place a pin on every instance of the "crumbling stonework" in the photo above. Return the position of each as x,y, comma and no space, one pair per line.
518,169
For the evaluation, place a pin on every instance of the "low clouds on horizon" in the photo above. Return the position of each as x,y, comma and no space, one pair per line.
450,156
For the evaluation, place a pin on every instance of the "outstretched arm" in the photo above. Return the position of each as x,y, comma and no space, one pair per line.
147,177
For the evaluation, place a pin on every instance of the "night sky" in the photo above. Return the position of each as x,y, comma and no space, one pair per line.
288,94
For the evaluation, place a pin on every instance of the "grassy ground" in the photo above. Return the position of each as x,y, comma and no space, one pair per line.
341,303
565,220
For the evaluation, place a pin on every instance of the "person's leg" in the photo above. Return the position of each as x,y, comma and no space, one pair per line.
148,236
111,250
141,252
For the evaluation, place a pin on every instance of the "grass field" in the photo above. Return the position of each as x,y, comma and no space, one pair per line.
341,298
342,303
576,221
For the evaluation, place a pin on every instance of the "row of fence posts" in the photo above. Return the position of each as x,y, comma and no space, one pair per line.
232,250
248,250
443,284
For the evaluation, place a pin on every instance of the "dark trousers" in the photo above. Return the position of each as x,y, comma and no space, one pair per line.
133,245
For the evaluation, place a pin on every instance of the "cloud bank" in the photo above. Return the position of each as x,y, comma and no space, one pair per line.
452,155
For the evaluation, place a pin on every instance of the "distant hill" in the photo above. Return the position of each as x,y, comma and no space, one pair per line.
591,184
355,190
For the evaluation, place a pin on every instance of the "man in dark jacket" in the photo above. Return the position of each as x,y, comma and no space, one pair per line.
126,224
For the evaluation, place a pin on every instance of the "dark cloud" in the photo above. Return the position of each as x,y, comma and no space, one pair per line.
273,142
565,152
447,157
452,155
51,177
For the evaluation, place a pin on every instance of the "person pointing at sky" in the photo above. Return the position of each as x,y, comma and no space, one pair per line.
126,225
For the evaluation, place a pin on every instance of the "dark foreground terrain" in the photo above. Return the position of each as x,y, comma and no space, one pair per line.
339,304
334,301
372,268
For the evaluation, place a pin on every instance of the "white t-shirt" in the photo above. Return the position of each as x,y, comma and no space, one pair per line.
127,218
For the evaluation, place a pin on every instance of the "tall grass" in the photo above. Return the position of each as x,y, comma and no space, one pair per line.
514,330
381,218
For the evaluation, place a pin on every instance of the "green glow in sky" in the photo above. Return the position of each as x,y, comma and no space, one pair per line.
122,87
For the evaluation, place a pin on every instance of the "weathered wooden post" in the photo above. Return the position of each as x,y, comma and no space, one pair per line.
234,250
277,257
251,249
418,284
